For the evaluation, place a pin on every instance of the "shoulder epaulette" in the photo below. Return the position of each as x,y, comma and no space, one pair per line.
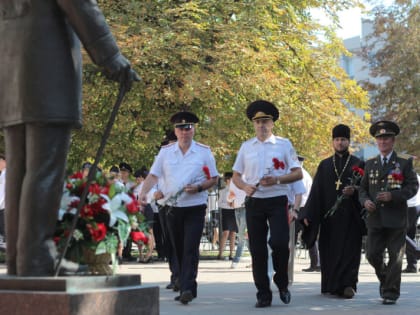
203,145
168,145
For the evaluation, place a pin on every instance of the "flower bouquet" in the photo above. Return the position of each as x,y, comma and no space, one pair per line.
109,216
356,177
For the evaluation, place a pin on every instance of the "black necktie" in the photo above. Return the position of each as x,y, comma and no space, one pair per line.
385,161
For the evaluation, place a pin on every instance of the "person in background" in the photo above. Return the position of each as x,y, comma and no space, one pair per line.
168,245
229,226
140,175
85,169
237,196
313,251
294,196
187,170
128,183
263,167
413,209
114,174
388,182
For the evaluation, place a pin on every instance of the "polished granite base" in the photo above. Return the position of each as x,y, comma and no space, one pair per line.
87,295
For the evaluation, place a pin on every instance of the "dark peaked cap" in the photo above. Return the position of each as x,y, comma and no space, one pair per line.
125,167
262,110
384,128
184,118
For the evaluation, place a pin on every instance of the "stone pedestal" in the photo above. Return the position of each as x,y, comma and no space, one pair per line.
90,295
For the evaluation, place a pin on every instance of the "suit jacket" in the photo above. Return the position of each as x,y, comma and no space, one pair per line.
40,76
392,214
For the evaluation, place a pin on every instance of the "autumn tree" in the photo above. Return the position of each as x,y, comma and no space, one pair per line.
393,53
213,58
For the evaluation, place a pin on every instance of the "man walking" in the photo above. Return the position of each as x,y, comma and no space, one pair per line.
340,232
187,169
261,169
389,181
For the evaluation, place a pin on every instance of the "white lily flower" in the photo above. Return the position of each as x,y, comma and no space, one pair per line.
115,207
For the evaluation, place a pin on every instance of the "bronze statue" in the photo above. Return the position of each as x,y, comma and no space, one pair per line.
40,103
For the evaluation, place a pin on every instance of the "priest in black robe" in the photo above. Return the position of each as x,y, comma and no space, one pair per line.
340,231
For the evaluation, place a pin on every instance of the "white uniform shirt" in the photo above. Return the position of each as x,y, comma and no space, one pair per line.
307,182
178,170
255,159
295,188
415,201
2,188
236,195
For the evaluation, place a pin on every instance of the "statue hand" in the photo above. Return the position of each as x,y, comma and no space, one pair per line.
120,70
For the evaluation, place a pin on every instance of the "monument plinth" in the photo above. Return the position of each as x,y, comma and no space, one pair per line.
87,295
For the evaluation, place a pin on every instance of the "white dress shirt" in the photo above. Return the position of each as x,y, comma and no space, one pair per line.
178,170
255,159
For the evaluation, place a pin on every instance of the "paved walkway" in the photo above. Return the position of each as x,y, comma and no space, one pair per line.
226,291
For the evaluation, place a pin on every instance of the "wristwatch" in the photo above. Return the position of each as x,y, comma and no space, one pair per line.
199,188
278,180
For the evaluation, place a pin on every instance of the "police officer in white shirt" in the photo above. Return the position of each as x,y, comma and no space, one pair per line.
262,170
187,169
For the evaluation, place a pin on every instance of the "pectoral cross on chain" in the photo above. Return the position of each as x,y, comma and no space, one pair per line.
337,184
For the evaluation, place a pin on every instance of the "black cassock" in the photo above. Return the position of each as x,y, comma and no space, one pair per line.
340,235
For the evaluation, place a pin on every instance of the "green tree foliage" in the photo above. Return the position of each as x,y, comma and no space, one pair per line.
213,58
396,58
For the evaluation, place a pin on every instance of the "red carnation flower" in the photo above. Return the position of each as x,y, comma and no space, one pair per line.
98,233
206,171
77,175
398,177
95,189
139,236
133,207
358,170
278,164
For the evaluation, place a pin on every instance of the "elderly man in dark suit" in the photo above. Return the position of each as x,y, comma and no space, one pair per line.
388,182
40,102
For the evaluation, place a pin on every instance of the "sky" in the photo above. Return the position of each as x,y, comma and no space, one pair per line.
350,20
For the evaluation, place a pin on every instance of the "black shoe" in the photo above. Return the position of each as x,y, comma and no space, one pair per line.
285,296
410,270
387,301
348,293
312,269
129,258
170,286
186,297
262,303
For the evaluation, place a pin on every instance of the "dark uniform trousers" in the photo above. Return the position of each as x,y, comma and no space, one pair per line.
389,276
412,216
186,225
169,245
34,186
259,211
